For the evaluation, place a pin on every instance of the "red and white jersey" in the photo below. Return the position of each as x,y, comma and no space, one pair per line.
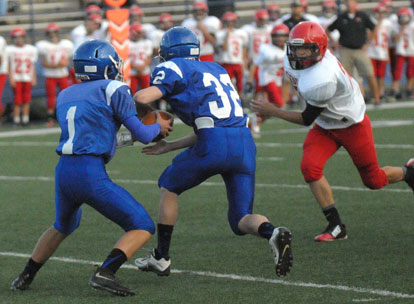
139,51
21,62
3,65
378,48
155,37
237,42
335,90
405,45
257,36
270,62
212,23
148,29
53,54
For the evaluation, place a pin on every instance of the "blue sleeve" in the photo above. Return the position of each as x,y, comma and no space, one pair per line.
168,77
143,133
120,98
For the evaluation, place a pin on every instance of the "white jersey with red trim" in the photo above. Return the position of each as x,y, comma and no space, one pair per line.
3,65
257,36
212,23
53,53
405,45
270,62
155,37
21,62
139,51
378,48
327,85
237,42
325,22
80,35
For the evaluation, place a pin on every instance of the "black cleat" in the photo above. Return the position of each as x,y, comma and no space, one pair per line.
281,244
22,282
409,176
104,279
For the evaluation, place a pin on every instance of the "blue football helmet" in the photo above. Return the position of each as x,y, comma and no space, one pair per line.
97,59
181,42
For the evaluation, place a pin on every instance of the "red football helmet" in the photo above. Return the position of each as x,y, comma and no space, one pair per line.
165,17
280,29
135,30
404,15
229,16
200,6
380,8
273,7
261,14
136,10
17,32
329,4
306,35
52,27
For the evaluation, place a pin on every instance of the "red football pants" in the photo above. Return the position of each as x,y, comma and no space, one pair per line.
320,144
235,71
3,78
51,84
142,82
22,93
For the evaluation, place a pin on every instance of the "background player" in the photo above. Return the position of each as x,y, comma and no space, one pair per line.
55,54
90,114
334,101
203,97
21,59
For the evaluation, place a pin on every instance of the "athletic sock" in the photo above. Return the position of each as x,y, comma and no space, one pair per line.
266,230
32,267
164,238
332,215
115,260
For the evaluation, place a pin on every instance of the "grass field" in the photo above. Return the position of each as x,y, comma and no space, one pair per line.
210,264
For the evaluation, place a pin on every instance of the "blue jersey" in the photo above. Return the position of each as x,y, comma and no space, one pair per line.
90,114
199,89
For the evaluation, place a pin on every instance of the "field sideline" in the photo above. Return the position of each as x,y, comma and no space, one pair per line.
210,264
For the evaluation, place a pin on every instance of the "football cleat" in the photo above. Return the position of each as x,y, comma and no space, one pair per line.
332,233
161,266
104,279
409,176
22,282
281,244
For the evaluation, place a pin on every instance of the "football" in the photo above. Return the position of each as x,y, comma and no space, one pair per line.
151,117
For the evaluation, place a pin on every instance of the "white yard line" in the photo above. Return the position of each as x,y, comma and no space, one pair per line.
378,292
206,184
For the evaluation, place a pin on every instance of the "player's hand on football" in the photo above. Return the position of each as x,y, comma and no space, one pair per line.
159,148
166,125
262,107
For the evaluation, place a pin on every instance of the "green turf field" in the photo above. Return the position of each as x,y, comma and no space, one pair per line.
210,264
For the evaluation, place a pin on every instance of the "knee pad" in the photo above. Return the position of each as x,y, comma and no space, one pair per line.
311,173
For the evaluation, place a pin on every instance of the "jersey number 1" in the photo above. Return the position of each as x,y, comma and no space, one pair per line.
70,117
225,110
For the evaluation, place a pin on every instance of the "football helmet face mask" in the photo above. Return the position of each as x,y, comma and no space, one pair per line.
279,35
179,42
97,59
306,38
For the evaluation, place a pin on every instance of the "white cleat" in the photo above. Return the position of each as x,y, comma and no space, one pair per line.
160,267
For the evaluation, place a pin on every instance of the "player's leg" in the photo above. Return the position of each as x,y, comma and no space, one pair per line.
318,147
18,101
397,74
187,170
27,98
51,84
240,195
118,205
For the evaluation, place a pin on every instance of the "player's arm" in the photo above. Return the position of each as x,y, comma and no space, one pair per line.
164,146
306,118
